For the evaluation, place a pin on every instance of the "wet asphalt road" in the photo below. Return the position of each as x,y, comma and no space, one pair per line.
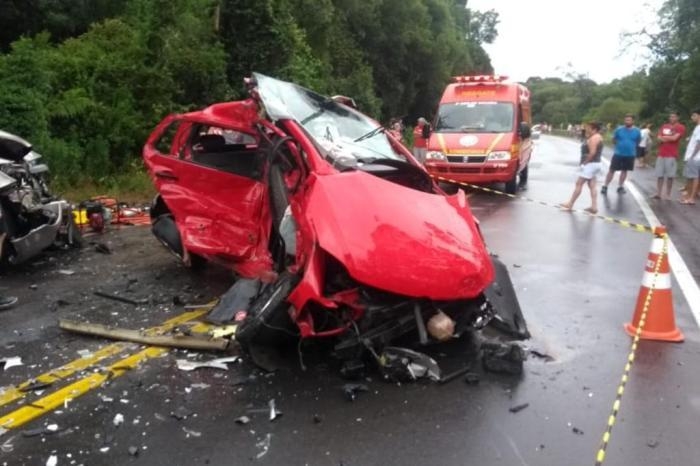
577,279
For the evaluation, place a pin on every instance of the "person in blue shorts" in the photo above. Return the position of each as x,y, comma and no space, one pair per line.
626,139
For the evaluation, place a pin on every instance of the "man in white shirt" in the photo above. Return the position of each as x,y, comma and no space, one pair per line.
643,147
691,169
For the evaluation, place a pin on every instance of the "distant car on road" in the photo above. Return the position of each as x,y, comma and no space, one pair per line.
536,131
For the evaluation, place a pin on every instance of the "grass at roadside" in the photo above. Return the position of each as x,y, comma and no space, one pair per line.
133,187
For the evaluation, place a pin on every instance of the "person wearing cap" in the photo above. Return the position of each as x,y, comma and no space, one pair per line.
421,133
691,167
7,302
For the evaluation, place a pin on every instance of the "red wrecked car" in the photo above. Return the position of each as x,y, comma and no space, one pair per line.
332,227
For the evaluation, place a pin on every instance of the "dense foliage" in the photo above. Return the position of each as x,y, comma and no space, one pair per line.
86,80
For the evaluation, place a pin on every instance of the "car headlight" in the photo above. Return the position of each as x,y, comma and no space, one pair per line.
435,155
499,155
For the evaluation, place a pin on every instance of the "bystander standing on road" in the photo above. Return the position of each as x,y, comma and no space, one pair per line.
626,139
691,168
669,138
591,151
644,146
421,133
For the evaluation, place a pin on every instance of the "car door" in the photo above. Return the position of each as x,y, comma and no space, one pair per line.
219,213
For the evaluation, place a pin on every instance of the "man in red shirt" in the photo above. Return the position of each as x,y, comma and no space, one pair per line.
669,137
420,142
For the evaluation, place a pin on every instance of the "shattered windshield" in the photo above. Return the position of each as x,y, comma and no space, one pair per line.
340,130
475,117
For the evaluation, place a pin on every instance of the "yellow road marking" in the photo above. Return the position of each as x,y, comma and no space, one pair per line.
50,402
14,393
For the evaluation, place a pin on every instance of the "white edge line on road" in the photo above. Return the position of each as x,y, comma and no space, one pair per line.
687,283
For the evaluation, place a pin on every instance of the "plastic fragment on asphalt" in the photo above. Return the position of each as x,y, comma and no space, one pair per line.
264,445
104,449
118,419
243,420
66,272
352,389
220,363
274,414
52,461
7,445
52,428
191,432
133,451
12,361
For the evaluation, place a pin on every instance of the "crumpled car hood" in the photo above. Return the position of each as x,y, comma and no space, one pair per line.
398,239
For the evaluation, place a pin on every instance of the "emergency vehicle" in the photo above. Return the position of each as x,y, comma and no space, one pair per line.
481,133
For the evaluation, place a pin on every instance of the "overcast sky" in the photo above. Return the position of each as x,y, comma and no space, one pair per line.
585,33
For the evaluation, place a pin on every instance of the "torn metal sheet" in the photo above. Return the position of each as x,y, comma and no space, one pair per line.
403,364
237,298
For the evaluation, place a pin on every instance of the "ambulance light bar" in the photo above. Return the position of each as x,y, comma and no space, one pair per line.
479,79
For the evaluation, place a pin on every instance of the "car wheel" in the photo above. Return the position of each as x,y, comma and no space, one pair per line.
267,321
512,184
165,229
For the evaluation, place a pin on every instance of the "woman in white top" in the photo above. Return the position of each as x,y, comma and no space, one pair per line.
643,147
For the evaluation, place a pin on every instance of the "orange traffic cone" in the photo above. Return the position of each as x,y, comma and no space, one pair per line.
658,322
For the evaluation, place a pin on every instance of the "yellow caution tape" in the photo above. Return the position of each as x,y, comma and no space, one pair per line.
624,223
600,456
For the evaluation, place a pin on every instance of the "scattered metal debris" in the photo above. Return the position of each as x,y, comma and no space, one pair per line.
274,414
352,389
122,299
518,408
102,248
541,355
220,363
472,378
453,375
181,413
503,358
264,446
191,432
35,385
402,365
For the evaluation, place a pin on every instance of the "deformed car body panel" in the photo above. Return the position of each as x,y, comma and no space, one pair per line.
377,245
410,243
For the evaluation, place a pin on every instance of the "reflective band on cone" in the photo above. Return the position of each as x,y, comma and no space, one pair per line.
659,322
